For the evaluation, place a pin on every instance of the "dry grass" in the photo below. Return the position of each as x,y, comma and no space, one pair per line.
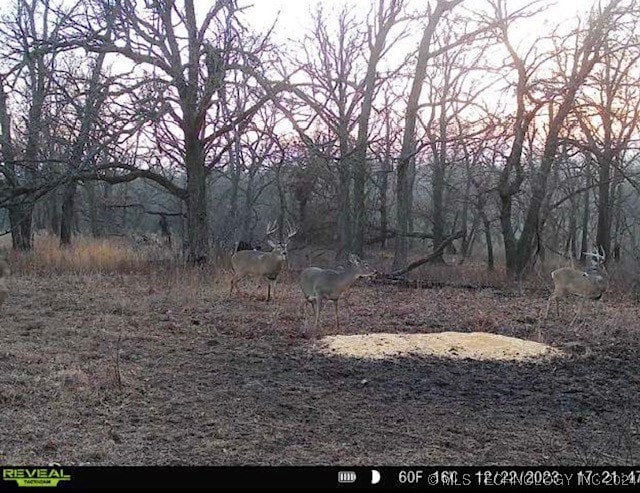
114,367
85,256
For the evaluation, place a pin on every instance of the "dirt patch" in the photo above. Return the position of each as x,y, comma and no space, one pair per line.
480,346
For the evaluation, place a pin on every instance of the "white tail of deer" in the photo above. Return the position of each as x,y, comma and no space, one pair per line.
257,263
588,285
4,276
326,284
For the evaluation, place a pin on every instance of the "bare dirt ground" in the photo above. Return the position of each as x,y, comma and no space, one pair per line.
165,369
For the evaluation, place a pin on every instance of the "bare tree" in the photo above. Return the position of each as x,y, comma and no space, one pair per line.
581,50
403,189
191,59
27,32
608,113
82,152
334,57
384,19
455,84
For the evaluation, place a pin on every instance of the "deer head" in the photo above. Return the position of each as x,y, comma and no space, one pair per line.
279,247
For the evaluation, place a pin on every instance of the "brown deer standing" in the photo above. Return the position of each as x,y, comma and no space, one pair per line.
588,285
247,263
326,284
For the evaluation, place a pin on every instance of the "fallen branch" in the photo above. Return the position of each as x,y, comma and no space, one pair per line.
391,233
436,253
144,209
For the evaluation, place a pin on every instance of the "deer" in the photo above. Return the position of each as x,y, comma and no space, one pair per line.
590,284
319,284
247,263
4,277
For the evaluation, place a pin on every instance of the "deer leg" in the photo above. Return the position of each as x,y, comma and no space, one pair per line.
539,332
318,305
546,313
543,319
335,306
599,306
306,320
234,283
577,313
271,286
304,317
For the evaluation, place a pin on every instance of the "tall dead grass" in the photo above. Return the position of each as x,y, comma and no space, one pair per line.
86,255
89,256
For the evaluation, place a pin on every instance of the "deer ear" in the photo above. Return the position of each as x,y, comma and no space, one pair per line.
353,259
272,244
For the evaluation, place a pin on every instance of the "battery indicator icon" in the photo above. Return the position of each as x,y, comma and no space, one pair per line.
346,477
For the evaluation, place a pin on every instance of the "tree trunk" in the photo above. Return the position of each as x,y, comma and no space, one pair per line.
402,214
66,219
230,228
585,217
198,238
248,207
386,169
54,214
384,190
90,191
359,206
20,218
344,208
508,235
438,207
617,221
603,234
109,217
468,237
486,224
570,246
465,213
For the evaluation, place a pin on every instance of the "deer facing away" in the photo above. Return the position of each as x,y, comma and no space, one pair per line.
4,277
257,263
327,284
588,285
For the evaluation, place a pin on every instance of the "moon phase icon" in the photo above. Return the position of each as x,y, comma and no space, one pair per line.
375,477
